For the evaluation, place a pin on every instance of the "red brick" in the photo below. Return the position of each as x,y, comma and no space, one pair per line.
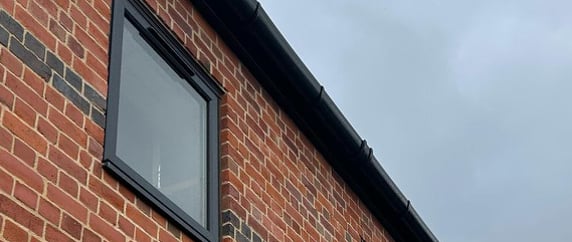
105,230
78,17
107,194
6,97
7,5
38,12
88,199
166,236
11,62
108,213
72,167
6,182
13,232
126,226
203,26
58,30
89,236
68,146
25,112
36,239
85,159
257,227
158,218
68,127
94,131
74,114
254,198
65,53
36,28
75,47
272,177
277,234
66,202
143,207
26,93
34,81
55,98
103,8
100,37
68,184
90,76
164,16
54,234
142,236
20,215
71,226
229,190
227,162
6,139
95,148
65,20
49,6
47,130
23,172
127,194
191,46
232,204
47,170
99,20
62,3
48,211
24,152
97,66
88,42
140,219
179,32
97,171
254,174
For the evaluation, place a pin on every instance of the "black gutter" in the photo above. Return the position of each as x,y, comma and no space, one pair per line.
250,33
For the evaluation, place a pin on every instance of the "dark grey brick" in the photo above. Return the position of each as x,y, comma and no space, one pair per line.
4,36
245,230
228,230
35,46
229,217
11,25
241,238
55,63
73,79
256,238
97,117
94,97
30,59
65,89
174,230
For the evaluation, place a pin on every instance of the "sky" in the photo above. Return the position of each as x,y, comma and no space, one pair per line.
466,104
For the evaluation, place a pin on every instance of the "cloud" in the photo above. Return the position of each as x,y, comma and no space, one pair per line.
467,103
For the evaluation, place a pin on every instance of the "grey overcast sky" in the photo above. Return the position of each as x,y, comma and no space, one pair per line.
466,104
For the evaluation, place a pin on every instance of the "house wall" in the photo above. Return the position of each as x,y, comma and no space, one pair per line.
53,61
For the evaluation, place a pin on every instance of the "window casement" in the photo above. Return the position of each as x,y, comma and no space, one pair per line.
161,135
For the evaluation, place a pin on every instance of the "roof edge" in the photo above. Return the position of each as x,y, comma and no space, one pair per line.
249,32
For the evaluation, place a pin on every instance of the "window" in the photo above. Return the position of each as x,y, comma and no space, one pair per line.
162,122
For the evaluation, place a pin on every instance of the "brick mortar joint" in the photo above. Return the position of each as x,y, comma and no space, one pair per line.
234,227
47,65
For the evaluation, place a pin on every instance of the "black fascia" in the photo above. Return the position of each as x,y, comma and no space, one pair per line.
172,51
250,33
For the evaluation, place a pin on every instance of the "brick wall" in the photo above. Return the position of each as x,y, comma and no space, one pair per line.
53,63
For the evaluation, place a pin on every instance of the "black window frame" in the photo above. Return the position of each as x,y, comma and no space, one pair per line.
173,52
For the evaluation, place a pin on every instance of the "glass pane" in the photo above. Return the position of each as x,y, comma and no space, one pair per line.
162,126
